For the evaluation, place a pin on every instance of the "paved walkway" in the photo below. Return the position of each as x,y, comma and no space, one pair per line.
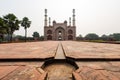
47,49
33,50
97,70
60,54
88,70
81,50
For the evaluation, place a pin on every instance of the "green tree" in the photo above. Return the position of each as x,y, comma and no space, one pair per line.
12,24
105,37
2,29
111,37
2,26
91,36
115,36
79,37
42,38
26,24
36,35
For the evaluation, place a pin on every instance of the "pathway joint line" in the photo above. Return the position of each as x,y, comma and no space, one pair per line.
60,53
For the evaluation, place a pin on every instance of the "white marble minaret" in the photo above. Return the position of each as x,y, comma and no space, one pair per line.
73,17
45,22
69,21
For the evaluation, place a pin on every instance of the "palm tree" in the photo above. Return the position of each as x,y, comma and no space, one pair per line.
12,24
26,24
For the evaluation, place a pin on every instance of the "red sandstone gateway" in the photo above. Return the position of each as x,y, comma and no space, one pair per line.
60,31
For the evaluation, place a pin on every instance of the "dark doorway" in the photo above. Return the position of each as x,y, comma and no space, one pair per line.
70,37
49,37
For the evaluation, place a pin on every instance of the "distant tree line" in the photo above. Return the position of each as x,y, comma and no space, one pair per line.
9,24
93,36
36,37
21,38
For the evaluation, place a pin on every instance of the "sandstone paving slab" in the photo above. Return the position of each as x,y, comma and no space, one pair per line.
98,70
27,50
5,70
21,71
79,50
24,73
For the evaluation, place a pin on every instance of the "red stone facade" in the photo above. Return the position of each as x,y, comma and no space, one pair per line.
60,31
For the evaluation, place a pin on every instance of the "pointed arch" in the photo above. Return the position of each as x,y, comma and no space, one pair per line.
70,31
49,32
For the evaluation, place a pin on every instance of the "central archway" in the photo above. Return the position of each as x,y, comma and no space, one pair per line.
59,34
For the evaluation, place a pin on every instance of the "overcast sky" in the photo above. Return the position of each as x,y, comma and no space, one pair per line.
92,16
